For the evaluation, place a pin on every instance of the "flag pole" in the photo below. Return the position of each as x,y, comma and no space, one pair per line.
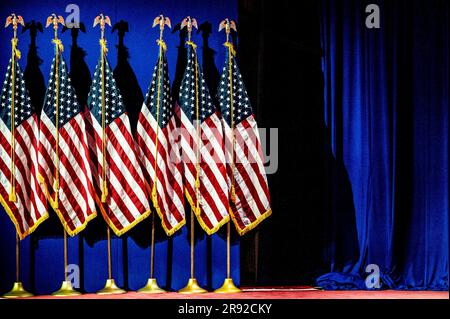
192,286
17,291
228,284
152,286
110,286
66,286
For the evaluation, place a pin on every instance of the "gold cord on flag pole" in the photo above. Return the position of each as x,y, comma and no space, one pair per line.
53,19
103,20
104,184
15,53
12,193
228,285
162,47
152,286
66,286
110,286
197,167
17,291
192,285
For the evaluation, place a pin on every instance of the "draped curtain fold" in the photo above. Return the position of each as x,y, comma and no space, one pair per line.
386,115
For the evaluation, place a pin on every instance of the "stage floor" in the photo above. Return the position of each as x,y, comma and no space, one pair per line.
276,293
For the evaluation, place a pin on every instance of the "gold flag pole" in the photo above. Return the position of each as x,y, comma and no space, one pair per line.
152,286
228,284
192,286
110,286
66,286
17,291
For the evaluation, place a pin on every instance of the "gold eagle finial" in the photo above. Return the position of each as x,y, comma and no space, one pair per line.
14,20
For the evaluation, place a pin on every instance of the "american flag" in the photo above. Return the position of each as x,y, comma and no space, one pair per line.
64,168
157,119
251,202
30,207
126,198
213,187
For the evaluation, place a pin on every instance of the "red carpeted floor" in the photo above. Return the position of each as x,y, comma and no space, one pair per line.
277,293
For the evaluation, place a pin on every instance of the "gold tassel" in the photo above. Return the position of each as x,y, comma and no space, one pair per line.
56,201
197,183
12,195
155,197
56,185
104,192
233,194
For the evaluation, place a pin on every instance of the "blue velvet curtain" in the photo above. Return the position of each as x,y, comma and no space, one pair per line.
386,114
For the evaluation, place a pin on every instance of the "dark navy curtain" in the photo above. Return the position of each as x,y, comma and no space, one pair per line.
386,114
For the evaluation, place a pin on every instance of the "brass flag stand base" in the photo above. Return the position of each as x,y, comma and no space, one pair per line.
151,287
66,286
18,291
110,288
228,287
66,290
192,287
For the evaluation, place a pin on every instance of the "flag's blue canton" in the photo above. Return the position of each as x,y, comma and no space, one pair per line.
23,108
165,99
68,103
241,103
113,100
187,94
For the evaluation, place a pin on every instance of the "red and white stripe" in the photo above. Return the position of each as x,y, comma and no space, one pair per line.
30,209
127,201
213,190
169,181
252,204
76,205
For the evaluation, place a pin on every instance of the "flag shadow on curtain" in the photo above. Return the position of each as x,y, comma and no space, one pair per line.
79,70
181,61
126,78
33,75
